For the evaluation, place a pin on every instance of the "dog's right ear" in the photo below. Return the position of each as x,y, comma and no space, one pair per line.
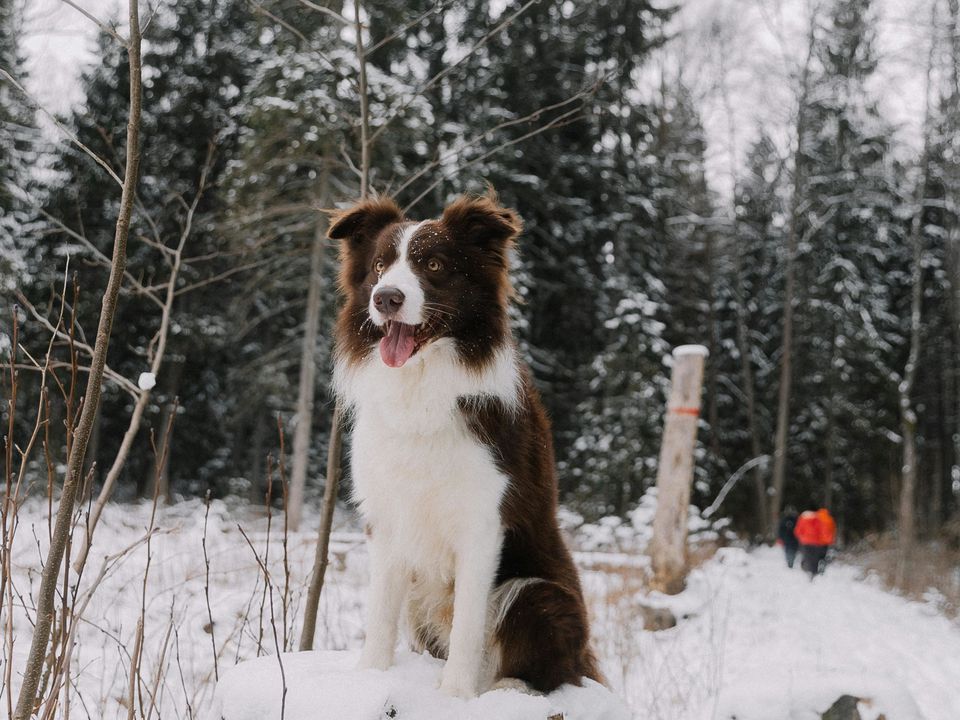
364,220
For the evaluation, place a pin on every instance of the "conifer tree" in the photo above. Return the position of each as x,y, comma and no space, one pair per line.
18,151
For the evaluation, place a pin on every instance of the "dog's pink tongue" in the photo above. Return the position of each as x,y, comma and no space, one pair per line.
397,347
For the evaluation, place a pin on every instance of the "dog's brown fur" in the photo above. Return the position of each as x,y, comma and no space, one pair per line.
544,637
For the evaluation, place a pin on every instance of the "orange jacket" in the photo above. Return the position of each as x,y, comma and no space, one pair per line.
828,528
807,529
816,528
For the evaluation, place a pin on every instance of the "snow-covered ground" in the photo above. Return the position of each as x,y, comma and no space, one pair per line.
754,640
762,642
325,685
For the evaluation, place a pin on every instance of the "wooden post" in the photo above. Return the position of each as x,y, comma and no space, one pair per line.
668,547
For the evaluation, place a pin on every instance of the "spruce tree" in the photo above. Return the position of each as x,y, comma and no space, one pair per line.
18,152
844,409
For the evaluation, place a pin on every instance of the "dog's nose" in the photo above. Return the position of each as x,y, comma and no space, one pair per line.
388,300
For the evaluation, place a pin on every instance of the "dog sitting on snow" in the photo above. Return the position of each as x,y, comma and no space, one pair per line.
452,458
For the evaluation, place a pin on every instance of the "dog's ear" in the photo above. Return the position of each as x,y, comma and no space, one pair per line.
364,220
483,221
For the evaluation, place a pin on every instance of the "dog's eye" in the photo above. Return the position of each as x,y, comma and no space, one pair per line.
434,265
378,267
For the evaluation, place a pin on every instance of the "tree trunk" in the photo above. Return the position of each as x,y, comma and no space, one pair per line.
746,373
908,416
162,438
308,362
743,339
27,700
713,414
321,559
831,424
336,440
786,347
668,547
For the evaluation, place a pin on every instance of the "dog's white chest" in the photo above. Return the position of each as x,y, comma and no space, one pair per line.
420,475
424,490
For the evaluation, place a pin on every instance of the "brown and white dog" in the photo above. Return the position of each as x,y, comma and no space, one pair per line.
451,457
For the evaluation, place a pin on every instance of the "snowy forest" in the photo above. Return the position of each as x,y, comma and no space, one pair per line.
741,175
628,249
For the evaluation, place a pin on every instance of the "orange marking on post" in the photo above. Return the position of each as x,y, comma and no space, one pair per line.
695,412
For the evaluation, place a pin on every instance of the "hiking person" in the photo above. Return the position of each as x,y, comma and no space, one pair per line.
785,536
816,532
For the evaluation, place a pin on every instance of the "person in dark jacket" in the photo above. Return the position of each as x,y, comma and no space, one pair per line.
785,536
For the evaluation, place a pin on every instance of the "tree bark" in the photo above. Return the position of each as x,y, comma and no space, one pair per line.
908,416
322,559
668,547
27,700
790,285
308,362
335,447
164,435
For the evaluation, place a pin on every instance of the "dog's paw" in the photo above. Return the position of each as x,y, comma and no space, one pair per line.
370,660
515,684
458,684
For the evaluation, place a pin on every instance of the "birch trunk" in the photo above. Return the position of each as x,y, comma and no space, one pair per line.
668,547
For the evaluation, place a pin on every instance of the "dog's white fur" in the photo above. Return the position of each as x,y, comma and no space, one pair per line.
431,493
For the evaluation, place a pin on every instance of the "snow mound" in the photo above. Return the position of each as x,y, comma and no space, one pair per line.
808,697
325,686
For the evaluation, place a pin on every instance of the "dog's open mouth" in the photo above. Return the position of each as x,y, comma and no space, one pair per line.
400,341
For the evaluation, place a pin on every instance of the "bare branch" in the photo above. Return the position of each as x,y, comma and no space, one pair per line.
450,68
559,121
257,7
60,126
438,9
100,24
57,333
480,137
326,11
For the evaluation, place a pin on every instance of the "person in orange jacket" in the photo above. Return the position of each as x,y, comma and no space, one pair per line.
816,532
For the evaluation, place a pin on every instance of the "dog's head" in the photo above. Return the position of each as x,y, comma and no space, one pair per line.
408,284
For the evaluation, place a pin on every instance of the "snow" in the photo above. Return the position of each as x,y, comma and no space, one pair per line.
324,686
753,640
761,641
146,381
690,350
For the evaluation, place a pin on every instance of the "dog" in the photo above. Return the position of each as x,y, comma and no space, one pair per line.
452,458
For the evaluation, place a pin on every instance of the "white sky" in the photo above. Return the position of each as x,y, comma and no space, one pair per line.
762,41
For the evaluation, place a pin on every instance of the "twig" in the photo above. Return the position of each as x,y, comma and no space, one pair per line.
273,622
564,119
206,587
450,68
326,11
100,24
365,139
436,10
60,126
155,357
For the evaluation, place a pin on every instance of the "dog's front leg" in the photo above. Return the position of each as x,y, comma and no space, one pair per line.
388,586
475,567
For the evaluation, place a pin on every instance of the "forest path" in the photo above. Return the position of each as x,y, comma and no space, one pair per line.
789,647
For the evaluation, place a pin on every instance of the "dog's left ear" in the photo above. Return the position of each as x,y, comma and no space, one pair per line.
364,220
482,221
